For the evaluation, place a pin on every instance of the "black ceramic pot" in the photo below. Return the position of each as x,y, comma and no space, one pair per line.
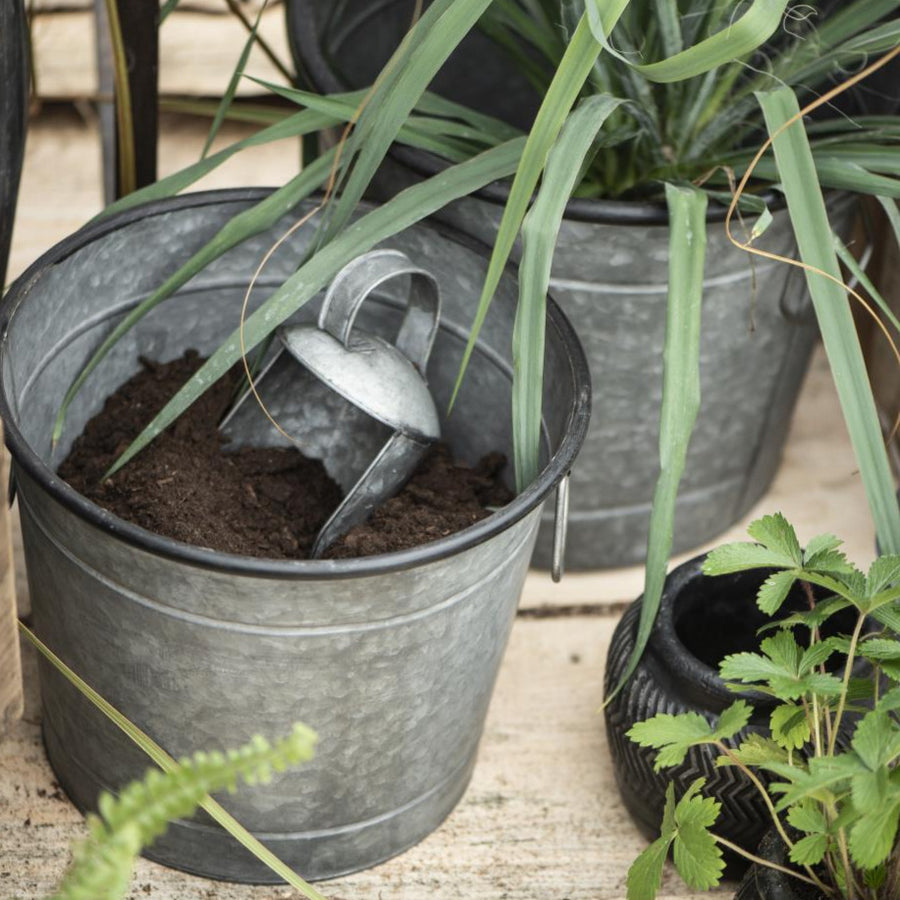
700,620
764,883
13,105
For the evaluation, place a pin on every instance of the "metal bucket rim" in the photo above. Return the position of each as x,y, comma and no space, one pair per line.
558,466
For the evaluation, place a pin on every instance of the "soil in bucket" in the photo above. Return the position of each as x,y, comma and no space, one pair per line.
259,502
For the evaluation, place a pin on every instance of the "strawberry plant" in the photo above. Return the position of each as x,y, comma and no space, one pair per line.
835,803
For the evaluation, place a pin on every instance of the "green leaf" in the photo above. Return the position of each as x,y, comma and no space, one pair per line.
774,591
674,735
880,648
810,221
869,789
732,720
742,557
821,543
817,654
258,218
231,89
790,726
825,778
889,702
808,817
883,573
749,668
408,207
738,38
812,618
776,533
876,740
755,751
697,856
872,837
570,76
645,873
296,125
681,392
395,93
809,850
539,233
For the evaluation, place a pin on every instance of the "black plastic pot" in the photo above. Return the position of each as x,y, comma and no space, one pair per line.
701,619
764,883
13,107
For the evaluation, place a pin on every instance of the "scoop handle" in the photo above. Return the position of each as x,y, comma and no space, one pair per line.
356,281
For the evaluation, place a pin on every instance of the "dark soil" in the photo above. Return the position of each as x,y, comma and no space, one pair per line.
256,502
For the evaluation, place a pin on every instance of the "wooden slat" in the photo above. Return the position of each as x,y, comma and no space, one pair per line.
10,666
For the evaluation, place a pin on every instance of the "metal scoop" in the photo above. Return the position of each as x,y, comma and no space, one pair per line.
357,402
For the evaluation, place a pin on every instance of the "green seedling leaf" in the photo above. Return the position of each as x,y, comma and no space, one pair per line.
884,573
876,740
778,535
102,864
821,543
790,726
808,818
809,850
645,873
872,836
674,735
167,764
780,668
774,591
697,856
825,779
756,751
743,557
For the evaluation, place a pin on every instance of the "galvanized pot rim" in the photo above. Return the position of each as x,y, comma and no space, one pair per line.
521,505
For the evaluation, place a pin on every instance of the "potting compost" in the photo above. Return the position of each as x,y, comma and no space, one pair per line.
262,502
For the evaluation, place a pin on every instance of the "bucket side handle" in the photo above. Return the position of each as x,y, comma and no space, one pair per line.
560,529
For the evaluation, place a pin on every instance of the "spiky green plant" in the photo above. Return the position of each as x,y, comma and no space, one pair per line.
842,803
102,864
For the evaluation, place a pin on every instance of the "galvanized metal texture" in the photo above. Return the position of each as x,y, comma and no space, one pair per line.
386,382
391,659
610,276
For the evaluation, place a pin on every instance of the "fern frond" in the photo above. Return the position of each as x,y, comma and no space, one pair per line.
102,864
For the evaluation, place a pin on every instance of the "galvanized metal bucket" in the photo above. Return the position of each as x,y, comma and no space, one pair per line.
610,276
392,658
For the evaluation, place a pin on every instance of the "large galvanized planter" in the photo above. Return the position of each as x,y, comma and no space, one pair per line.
391,659
13,109
610,277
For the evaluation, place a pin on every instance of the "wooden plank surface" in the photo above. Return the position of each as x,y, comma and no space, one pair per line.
10,666
541,817
64,45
